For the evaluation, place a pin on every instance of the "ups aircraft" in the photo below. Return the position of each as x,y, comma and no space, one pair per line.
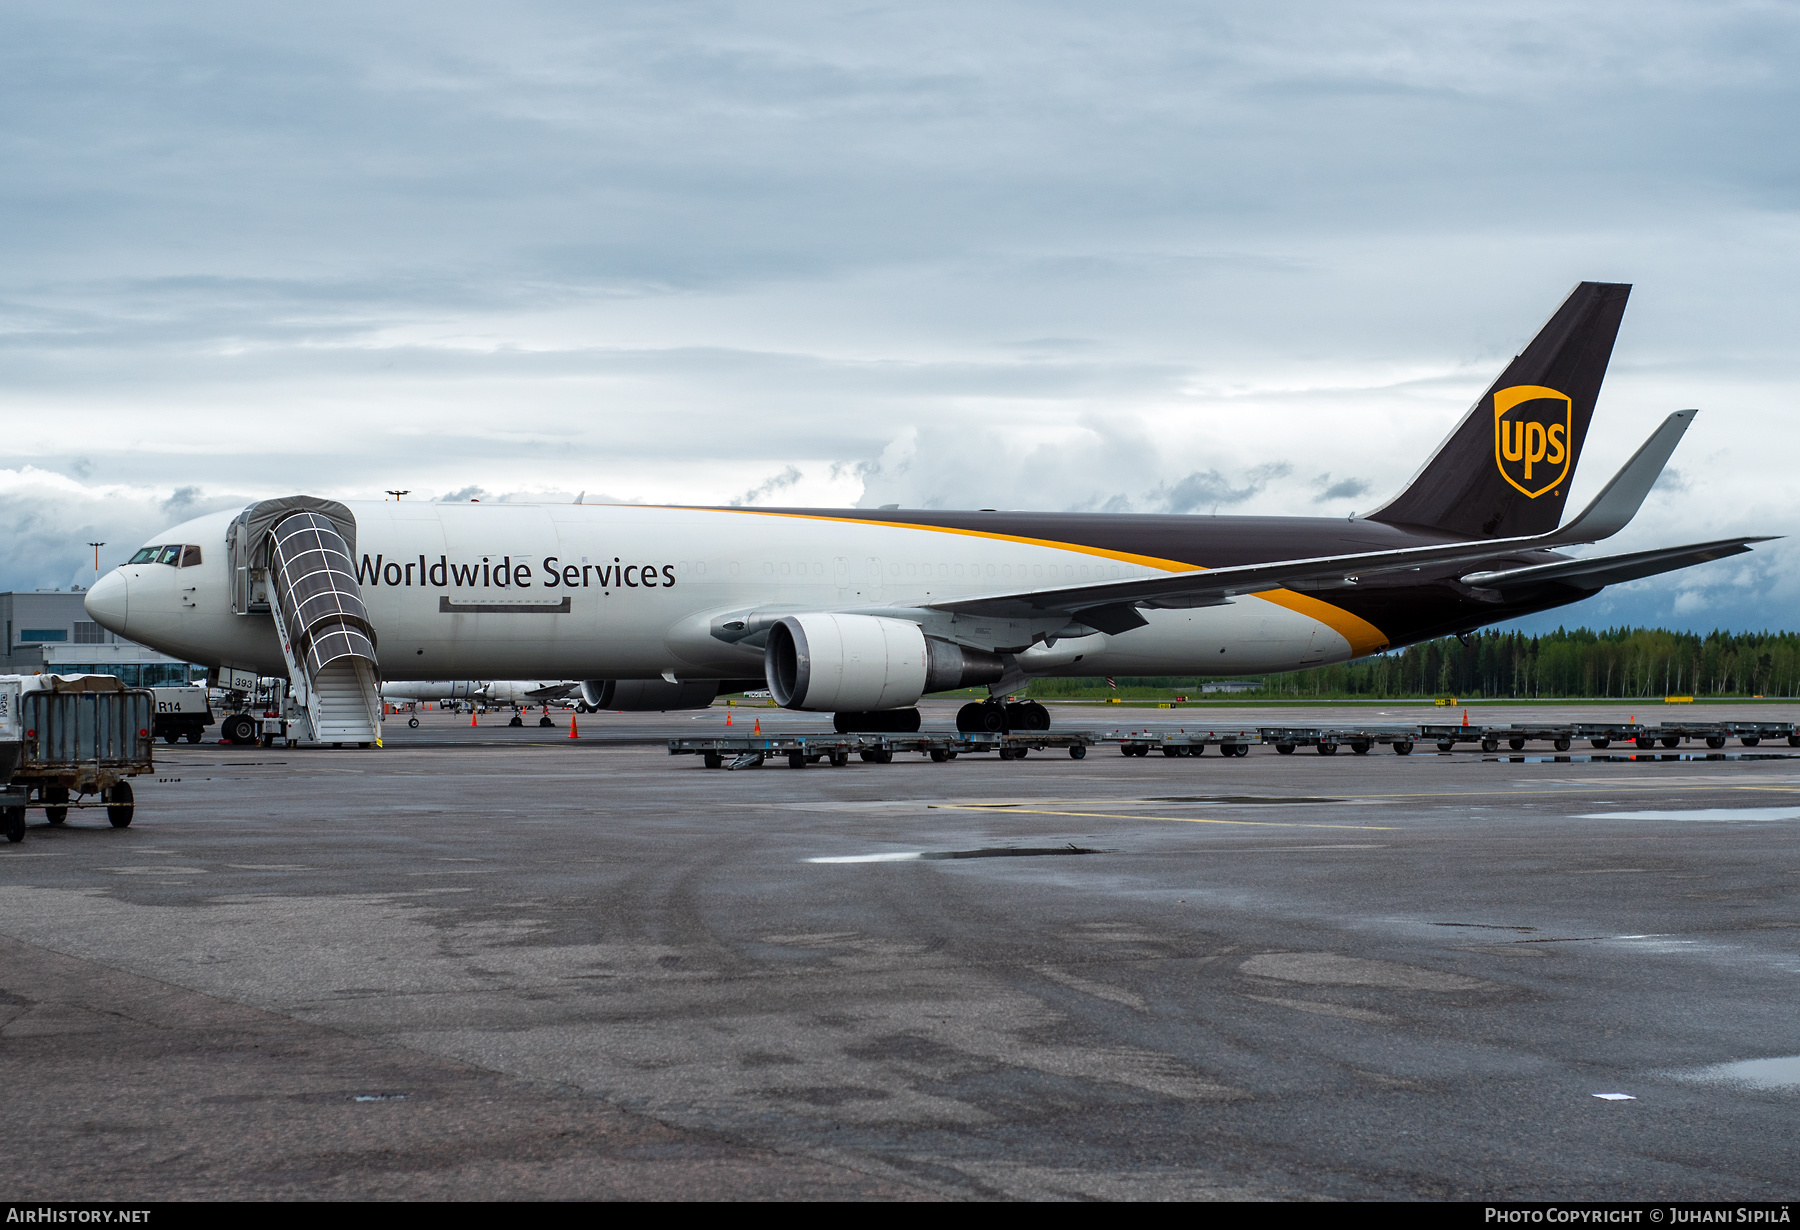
860,612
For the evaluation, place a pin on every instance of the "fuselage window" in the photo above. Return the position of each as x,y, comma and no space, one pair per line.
1084,572
912,570
190,556
1037,570
699,567
990,571
959,572
785,569
768,566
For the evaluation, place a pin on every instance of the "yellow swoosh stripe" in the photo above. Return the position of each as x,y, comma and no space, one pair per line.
1364,637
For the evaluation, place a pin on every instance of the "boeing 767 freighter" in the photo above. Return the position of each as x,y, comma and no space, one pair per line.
860,612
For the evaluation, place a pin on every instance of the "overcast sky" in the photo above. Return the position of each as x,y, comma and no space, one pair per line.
1255,258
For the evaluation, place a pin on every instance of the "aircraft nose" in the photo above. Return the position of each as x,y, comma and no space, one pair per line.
108,602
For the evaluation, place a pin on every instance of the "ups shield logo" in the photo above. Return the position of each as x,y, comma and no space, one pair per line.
1531,437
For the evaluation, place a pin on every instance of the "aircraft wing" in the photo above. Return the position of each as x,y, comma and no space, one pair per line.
1613,569
1109,606
1112,606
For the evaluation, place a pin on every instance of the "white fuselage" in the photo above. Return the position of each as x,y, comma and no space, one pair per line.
631,592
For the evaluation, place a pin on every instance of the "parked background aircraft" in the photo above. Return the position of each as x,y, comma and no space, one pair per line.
860,612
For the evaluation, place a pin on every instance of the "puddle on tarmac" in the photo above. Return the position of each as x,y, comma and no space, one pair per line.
898,856
1699,813
1235,798
1782,1072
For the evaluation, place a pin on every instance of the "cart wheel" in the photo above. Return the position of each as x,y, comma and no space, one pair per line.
1360,747
1517,745
1750,742
712,760
13,820
170,736
56,803
1490,745
1561,745
1327,749
1403,749
119,805
796,760
1077,752
839,759
1599,742
1285,749
939,755
413,722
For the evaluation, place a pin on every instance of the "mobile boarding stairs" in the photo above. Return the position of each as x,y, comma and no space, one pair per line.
292,559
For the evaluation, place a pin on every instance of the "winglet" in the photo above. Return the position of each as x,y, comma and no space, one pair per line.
1619,501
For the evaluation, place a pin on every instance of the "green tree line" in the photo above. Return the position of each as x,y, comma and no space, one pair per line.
1615,662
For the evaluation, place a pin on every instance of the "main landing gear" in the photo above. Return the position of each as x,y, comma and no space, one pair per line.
993,717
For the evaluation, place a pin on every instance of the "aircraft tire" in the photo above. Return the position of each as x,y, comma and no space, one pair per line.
413,722
516,720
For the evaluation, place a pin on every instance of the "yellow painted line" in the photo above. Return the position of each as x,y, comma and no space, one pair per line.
1109,815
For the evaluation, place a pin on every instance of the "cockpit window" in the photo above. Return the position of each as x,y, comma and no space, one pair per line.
177,555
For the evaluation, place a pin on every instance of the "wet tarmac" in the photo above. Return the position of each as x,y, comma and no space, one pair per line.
502,962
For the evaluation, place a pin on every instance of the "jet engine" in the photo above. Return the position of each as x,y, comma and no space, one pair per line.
861,663
643,695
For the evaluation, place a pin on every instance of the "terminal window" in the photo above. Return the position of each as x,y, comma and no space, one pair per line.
28,635
87,632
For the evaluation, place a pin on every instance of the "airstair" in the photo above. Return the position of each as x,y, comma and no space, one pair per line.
292,558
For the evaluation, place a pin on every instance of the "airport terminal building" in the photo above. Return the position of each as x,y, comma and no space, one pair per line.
48,630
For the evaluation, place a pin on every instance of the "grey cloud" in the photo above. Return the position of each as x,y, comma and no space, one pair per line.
779,482
1343,489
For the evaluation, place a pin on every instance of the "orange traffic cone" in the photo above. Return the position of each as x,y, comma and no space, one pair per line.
728,717
1465,717
758,729
472,717
573,732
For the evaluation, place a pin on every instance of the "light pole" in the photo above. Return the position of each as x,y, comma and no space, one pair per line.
398,494
96,546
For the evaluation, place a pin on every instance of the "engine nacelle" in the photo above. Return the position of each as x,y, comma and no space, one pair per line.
862,663
644,695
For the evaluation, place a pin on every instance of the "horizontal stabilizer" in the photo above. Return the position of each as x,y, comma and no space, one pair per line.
1619,501
1612,569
